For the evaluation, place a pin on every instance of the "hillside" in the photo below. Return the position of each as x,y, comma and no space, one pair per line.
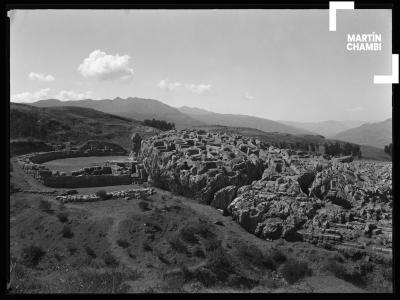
373,153
371,134
72,124
327,128
133,108
267,125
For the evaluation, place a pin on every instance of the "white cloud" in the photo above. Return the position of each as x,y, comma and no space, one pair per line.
71,95
40,77
30,97
356,109
105,66
248,96
195,88
198,88
164,84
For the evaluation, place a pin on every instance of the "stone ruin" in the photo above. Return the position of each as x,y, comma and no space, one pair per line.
273,193
277,193
140,193
109,173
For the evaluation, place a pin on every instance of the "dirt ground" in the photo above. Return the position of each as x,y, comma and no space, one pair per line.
75,163
165,243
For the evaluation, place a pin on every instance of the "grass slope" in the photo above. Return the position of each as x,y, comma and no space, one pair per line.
134,108
74,124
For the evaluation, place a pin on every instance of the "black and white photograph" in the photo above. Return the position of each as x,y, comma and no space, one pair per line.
201,149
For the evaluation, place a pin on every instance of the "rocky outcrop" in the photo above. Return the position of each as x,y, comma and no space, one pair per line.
224,197
276,193
198,164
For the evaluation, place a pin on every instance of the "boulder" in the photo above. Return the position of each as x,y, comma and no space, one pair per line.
224,197
305,180
270,229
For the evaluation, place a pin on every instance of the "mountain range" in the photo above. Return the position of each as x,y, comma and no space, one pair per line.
235,120
326,128
141,109
371,134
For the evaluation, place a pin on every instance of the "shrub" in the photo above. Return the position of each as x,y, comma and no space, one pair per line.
103,195
205,276
67,232
366,267
144,206
72,249
90,252
177,244
71,192
110,260
146,246
32,255
236,280
62,216
204,231
45,206
212,244
254,256
293,270
277,256
123,243
337,269
188,234
340,271
220,263
338,257
198,252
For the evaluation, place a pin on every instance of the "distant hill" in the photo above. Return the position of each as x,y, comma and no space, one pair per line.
73,124
265,125
373,153
327,128
134,108
370,134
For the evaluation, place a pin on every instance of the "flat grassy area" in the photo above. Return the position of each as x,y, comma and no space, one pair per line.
72,164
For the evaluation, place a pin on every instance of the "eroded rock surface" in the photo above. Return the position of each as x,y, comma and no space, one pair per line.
277,193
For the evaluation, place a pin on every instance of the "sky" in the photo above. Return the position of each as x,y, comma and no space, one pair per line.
275,64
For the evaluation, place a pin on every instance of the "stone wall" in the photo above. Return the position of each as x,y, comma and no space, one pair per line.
31,164
86,181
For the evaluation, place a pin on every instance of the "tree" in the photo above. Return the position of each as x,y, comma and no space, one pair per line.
159,124
389,149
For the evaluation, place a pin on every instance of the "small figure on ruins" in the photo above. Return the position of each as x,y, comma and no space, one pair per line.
136,140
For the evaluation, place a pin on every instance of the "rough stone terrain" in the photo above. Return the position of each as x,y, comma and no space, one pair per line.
219,213
278,193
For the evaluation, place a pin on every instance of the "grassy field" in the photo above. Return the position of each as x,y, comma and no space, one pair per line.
72,164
